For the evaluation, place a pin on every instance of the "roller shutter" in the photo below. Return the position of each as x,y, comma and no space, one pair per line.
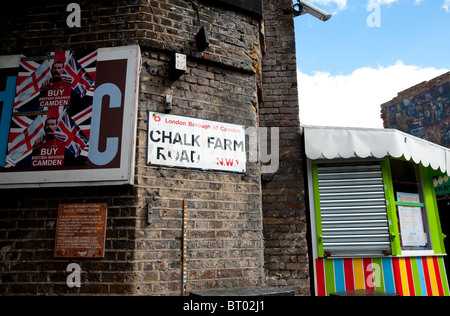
353,210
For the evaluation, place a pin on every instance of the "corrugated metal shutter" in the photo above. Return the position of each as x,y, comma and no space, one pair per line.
353,210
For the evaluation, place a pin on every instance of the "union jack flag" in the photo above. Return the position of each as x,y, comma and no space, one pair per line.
22,144
30,80
70,133
27,122
78,77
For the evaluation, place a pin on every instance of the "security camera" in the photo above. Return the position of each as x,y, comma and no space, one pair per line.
302,7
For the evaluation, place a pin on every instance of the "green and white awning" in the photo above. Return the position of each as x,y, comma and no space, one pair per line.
347,142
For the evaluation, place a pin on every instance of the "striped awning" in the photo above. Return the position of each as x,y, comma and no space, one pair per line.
347,142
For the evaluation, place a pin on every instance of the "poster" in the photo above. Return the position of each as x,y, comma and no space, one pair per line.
50,124
411,221
408,197
179,141
68,117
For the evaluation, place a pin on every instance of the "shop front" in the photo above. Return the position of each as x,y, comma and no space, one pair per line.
374,217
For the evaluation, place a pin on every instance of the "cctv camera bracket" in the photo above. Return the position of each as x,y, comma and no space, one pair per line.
302,7
298,9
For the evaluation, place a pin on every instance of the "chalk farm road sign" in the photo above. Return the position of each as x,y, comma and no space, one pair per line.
186,142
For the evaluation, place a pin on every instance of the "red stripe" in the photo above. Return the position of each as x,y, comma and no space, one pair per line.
13,135
71,132
27,140
21,79
21,121
397,276
88,59
28,65
82,116
438,276
367,273
412,291
426,272
320,271
349,278
35,81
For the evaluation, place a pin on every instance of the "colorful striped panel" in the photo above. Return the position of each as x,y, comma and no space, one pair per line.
388,275
415,276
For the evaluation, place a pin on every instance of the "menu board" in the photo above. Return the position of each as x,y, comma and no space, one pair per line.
411,221
80,231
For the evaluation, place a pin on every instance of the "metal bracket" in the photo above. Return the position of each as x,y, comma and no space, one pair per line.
392,236
149,212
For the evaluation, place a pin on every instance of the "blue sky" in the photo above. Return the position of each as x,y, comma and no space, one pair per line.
349,64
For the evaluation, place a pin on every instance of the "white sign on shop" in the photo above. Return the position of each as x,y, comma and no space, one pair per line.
179,141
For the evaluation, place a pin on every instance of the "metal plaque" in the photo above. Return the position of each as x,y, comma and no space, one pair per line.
80,231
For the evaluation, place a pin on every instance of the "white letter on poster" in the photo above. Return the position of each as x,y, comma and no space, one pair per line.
112,143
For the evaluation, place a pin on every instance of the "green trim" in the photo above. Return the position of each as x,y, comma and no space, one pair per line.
329,272
379,286
409,204
443,276
432,211
315,175
416,279
391,208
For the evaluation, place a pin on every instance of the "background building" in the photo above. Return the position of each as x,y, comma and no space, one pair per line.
422,110
242,228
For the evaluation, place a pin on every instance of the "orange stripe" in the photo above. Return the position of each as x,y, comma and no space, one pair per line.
433,280
404,277
358,269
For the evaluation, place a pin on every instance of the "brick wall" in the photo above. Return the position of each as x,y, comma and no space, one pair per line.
27,230
167,25
243,229
285,227
225,245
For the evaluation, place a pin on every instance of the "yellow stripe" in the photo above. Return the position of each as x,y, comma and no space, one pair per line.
358,269
432,272
404,277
